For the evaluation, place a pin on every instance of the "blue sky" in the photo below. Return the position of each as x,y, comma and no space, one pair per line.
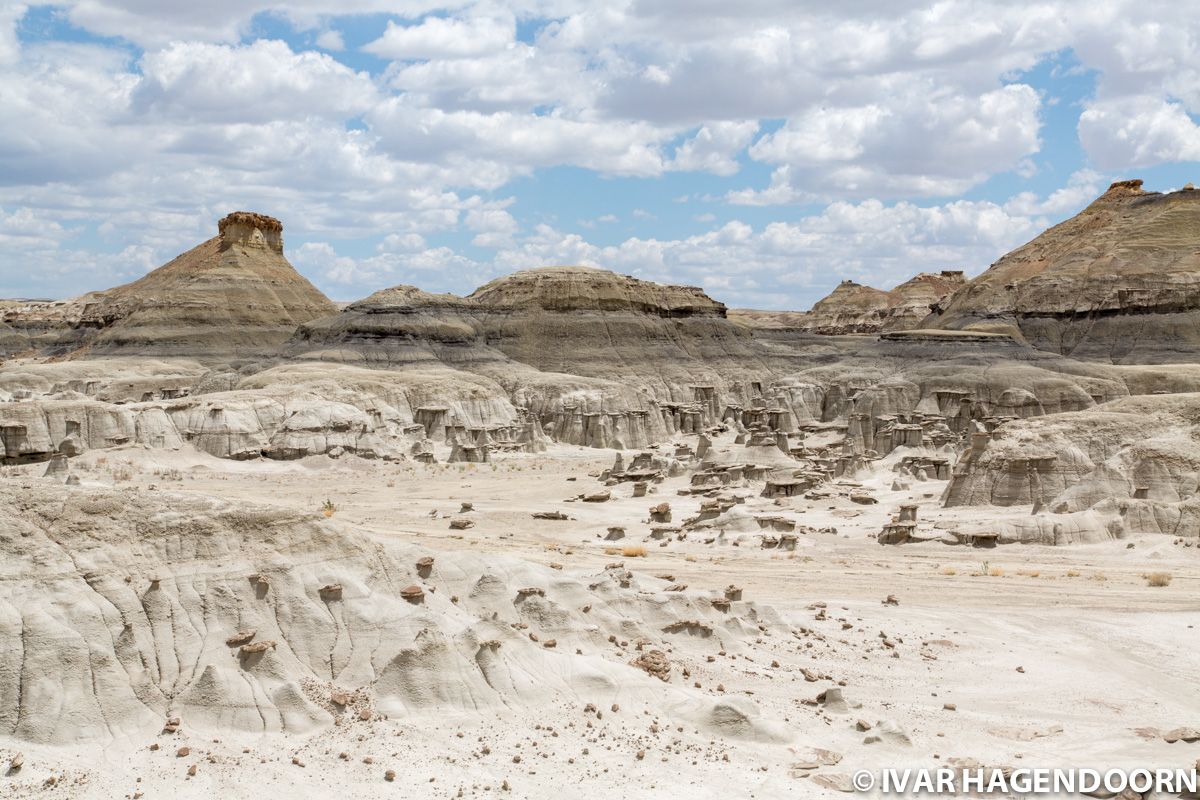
763,150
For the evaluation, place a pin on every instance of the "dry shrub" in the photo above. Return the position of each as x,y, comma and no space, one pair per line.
949,571
1072,573
996,572
633,551
612,551
1158,579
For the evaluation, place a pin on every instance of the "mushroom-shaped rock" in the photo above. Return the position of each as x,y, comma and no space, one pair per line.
413,594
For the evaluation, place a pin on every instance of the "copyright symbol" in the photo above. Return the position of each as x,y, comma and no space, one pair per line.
863,780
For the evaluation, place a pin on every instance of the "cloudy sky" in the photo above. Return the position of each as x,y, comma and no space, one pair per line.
762,149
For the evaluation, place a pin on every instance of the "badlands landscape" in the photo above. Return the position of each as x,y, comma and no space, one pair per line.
577,529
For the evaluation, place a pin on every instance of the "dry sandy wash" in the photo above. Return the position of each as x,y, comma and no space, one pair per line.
578,532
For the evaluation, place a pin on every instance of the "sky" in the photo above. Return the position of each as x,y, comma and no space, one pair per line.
764,150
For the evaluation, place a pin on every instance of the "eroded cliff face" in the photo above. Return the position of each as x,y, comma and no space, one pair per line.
1118,282
1126,467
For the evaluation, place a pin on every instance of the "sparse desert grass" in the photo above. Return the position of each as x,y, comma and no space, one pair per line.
689,558
1072,573
1030,573
1158,579
986,570
612,551
633,551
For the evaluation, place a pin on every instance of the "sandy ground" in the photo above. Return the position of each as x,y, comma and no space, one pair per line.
1018,655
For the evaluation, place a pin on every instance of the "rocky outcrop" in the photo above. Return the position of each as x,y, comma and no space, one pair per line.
854,308
1131,464
1118,282
284,413
41,326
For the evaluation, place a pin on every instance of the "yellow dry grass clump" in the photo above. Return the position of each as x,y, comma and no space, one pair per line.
633,551
1158,579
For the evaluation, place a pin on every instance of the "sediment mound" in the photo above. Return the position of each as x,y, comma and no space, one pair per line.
398,326
1118,282
570,320
123,611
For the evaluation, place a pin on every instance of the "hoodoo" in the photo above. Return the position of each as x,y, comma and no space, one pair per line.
235,295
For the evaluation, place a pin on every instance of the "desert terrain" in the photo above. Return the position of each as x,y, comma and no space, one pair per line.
577,529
